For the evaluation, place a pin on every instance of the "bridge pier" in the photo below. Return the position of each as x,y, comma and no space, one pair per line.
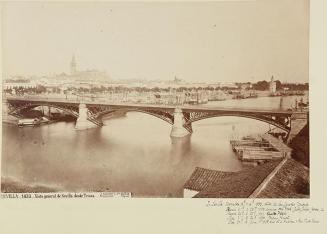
178,129
82,122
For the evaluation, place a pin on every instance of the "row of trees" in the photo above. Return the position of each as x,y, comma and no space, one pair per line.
264,85
22,90
102,89
145,89
302,87
260,85
32,90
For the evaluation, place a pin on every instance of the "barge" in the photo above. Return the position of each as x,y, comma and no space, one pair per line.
32,122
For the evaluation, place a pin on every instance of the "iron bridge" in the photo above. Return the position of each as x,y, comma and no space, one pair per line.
97,109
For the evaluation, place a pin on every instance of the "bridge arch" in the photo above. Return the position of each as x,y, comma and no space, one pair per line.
16,110
163,115
270,121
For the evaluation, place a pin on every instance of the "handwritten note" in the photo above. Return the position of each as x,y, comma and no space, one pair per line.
267,212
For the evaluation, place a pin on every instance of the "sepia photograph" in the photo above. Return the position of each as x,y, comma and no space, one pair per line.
156,99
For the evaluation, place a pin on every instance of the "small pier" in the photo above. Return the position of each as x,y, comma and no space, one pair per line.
261,148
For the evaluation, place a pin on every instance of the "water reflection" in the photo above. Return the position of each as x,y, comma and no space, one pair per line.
180,146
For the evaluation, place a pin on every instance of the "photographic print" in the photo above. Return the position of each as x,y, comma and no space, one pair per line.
156,99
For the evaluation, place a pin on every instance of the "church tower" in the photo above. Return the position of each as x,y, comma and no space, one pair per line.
73,66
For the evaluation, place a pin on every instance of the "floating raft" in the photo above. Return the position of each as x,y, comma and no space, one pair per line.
277,144
265,147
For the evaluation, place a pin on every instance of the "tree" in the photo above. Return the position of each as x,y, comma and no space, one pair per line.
261,85
279,85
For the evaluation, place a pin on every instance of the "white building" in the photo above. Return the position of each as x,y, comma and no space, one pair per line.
272,86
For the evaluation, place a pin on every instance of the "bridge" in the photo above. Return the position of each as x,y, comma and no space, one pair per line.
181,117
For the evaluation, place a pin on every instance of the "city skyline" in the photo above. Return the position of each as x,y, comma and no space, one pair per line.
196,42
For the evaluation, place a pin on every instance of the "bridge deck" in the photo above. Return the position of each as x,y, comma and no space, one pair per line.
187,108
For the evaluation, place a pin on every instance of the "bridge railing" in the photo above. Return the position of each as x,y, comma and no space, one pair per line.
108,101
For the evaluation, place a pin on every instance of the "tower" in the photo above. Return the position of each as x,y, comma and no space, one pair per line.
272,86
73,66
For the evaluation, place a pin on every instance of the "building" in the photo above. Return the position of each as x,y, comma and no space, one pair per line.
82,75
285,178
86,75
290,181
201,179
272,86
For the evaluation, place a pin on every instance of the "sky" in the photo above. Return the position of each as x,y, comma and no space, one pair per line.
236,41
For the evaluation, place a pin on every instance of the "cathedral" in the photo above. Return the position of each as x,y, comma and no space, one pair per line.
86,75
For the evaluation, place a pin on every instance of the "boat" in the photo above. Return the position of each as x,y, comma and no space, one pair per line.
216,99
275,94
239,96
197,102
32,122
303,106
252,95
192,102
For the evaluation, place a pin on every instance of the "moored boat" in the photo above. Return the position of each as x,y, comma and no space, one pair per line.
32,122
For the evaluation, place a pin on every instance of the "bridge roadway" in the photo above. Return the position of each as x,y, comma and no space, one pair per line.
180,117
185,107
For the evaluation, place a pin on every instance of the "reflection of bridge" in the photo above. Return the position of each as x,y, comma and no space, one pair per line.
180,117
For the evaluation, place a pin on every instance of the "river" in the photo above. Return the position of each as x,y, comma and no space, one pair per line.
134,153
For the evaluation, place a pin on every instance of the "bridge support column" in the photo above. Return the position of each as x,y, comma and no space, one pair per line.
82,122
178,129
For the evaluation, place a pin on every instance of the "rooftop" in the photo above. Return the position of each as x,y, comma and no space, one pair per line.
201,178
290,181
239,184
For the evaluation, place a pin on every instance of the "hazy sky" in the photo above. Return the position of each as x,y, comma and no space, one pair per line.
220,41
